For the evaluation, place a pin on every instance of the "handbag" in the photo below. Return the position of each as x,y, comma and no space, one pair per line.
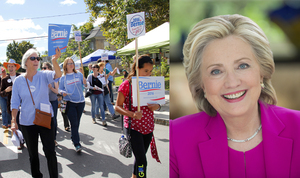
88,93
124,143
41,118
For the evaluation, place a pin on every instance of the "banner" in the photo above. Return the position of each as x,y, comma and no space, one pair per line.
152,90
77,35
58,36
136,25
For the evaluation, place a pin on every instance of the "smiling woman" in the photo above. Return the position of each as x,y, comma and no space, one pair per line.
228,63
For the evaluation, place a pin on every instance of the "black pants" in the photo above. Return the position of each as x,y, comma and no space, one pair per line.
66,120
31,135
140,144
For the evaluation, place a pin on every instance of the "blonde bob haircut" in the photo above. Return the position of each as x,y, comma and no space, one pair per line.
220,27
66,63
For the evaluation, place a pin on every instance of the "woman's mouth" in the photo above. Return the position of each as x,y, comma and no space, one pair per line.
234,95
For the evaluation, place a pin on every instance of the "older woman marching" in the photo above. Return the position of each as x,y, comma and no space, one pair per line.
38,83
70,85
241,133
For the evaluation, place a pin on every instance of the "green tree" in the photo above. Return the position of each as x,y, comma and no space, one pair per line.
15,50
114,11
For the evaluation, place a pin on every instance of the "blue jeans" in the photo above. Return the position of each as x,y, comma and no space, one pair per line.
74,112
5,116
54,107
111,94
97,101
109,105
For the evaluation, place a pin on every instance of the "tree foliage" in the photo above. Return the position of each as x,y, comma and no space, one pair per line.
114,11
15,50
73,45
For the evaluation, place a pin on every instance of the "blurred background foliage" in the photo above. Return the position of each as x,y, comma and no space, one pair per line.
185,14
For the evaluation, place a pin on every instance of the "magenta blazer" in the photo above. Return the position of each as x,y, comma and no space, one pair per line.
199,147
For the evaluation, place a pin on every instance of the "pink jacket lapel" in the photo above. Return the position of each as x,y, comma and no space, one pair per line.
277,149
214,152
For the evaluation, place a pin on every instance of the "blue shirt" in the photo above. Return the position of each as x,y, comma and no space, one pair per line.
39,90
52,95
72,84
108,67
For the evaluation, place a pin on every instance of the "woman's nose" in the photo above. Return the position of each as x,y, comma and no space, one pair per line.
232,80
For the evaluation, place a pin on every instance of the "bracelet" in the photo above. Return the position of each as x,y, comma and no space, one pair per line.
158,108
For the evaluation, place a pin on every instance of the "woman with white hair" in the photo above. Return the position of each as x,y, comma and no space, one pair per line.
38,82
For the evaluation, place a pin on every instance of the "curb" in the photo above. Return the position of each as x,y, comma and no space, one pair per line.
159,121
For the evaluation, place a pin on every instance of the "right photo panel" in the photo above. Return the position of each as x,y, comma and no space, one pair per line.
234,88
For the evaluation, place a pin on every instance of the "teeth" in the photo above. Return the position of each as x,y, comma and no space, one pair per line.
234,96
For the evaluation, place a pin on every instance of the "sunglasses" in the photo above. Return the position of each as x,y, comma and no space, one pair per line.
95,67
35,58
44,68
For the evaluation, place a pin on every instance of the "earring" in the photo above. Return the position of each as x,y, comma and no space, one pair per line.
262,85
204,95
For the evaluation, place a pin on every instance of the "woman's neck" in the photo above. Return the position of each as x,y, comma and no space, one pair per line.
95,74
242,127
30,73
69,71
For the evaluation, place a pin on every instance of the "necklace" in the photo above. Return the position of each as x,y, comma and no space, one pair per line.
250,138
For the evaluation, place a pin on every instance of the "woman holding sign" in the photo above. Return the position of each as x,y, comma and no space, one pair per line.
142,122
37,82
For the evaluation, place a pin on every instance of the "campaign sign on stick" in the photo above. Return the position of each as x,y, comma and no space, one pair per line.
104,56
77,35
136,25
152,90
58,36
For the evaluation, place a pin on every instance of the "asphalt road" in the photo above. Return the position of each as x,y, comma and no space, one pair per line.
100,156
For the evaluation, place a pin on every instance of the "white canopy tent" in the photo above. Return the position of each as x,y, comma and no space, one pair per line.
154,41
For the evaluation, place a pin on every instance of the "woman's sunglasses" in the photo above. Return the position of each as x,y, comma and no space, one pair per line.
44,68
33,58
95,67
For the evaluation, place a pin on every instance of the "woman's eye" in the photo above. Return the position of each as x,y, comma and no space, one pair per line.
215,72
243,66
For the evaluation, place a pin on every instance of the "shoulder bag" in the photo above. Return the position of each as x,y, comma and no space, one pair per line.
124,143
41,118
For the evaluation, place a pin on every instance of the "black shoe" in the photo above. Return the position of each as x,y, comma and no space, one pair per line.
67,129
115,116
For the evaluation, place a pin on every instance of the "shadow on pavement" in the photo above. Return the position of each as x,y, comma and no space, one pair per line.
88,162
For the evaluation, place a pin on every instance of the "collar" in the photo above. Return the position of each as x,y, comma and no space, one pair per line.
277,150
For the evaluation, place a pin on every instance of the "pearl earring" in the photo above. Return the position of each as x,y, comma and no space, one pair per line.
204,95
262,85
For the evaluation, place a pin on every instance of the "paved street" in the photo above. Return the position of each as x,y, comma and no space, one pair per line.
100,156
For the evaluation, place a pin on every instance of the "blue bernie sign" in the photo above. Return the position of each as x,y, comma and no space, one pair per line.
58,36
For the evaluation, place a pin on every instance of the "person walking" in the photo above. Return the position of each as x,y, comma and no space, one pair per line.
100,94
142,122
2,100
37,90
53,91
70,85
5,91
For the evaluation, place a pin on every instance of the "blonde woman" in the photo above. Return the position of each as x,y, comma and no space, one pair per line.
70,86
240,132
